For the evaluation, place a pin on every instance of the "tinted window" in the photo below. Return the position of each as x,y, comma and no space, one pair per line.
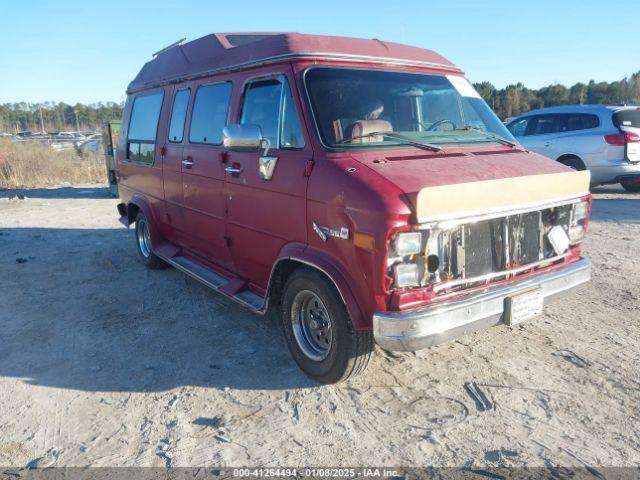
291,131
543,124
178,116
144,117
579,121
143,126
210,113
627,118
519,127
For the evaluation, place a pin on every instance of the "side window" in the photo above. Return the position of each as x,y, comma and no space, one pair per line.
178,115
579,121
519,127
543,124
291,135
209,115
269,104
143,126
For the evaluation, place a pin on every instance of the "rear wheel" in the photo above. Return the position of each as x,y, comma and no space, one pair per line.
318,330
143,242
572,162
632,186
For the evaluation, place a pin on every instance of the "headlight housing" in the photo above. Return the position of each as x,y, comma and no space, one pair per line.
577,227
405,262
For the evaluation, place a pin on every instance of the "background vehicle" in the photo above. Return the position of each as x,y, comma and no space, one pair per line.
361,189
603,139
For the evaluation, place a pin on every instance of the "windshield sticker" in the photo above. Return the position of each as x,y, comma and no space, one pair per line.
462,86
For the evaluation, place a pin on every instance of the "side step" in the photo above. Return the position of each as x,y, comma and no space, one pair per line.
218,283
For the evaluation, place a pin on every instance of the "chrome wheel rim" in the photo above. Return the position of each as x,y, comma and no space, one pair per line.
144,239
312,325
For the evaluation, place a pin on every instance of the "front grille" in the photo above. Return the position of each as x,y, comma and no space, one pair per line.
497,245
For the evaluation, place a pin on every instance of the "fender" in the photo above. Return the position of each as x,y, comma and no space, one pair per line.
333,269
143,203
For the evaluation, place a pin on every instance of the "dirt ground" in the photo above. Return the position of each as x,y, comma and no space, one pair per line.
105,363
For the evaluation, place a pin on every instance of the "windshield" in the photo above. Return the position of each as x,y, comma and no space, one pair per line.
354,108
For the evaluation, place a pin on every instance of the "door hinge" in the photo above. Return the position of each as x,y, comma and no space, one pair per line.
308,168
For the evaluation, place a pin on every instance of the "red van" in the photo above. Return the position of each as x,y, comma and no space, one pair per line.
361,189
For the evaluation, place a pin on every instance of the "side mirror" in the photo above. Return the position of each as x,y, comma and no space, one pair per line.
244,138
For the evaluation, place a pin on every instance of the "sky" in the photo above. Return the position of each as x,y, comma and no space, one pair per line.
85,51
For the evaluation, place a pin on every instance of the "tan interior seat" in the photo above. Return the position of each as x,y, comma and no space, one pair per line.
365,127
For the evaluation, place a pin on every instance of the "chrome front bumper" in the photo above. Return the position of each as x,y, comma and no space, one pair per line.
425,327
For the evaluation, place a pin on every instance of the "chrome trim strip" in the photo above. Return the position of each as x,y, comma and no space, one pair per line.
428,326
455,219
492,275
297,56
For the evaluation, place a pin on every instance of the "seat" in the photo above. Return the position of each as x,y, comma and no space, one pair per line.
366,127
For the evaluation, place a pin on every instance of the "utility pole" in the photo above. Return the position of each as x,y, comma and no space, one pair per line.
41,122
77,121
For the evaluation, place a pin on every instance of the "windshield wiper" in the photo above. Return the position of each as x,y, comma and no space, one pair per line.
396,136
491,135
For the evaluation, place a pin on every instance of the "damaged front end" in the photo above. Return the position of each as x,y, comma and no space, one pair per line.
471,235
453,255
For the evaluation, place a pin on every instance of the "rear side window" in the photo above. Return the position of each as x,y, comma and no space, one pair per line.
178,115
269,105
209,116
627,118
579,121
143,126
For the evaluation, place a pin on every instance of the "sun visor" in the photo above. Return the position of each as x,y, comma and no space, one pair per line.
468,199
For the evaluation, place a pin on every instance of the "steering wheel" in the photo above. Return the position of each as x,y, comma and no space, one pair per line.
441,122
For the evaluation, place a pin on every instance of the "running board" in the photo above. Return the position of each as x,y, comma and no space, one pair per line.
217,282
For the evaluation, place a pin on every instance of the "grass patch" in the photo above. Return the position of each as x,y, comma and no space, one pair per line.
35,165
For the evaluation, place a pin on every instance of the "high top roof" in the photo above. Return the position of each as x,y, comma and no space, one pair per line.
227,51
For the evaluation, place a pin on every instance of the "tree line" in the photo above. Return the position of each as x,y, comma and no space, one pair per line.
516,99
506,102
15,117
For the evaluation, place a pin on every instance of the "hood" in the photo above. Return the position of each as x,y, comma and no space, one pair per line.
485,171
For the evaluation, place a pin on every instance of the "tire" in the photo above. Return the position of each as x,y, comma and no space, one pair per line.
573,162
143,242
632,186
327,354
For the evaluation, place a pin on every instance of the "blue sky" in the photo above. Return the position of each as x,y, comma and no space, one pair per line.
84,51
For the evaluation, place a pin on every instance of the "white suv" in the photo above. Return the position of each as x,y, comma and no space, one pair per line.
603,139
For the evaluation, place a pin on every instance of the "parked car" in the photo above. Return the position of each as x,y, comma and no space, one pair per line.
362,190
603,139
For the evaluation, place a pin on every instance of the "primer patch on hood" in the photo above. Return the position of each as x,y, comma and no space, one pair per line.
490,196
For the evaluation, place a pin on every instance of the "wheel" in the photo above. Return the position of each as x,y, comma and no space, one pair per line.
143,241
573,162
318,330
632,186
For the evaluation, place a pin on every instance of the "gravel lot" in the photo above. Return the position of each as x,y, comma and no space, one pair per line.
105,363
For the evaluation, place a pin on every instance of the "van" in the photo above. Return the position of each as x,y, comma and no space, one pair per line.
360,190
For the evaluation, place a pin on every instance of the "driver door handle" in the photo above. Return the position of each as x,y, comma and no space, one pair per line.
233,170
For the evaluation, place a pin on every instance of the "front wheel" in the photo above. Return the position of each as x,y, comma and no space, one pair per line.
318,330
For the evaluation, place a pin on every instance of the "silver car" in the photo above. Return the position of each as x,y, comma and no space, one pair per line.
603,139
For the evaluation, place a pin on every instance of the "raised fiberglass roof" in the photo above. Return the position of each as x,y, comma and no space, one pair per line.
225,51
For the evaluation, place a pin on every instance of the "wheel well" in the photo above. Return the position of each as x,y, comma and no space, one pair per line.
132,212
569,158
283,271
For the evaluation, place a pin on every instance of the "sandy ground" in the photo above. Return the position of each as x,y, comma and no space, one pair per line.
105,363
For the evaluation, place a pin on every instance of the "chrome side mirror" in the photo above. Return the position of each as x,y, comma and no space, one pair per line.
242,138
